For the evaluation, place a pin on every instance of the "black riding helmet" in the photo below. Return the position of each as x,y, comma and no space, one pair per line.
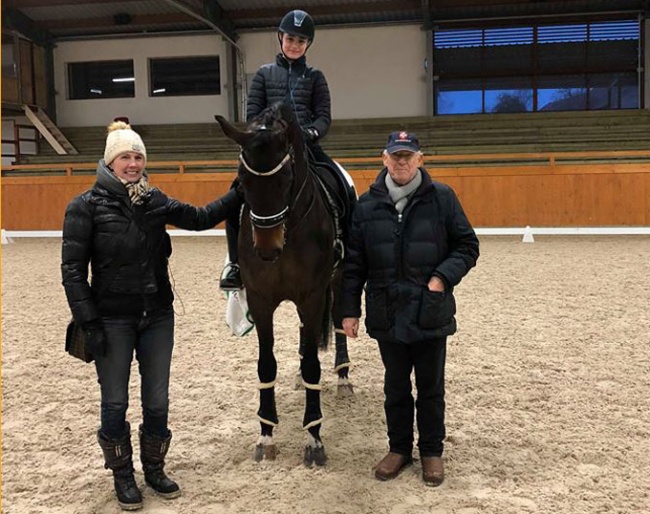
297,23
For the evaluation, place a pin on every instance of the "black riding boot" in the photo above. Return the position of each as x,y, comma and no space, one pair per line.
232,280
118,458
152,453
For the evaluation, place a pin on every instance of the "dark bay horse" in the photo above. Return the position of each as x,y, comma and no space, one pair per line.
286,252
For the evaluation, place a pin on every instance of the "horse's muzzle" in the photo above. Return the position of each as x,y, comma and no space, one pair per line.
268,242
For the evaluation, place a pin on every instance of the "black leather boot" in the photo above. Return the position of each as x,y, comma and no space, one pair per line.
232,280
152,453
118,455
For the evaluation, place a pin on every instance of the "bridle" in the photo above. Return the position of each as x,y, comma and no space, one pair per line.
280,217
264,173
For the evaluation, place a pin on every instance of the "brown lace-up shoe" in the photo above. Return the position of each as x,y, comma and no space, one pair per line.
391,465
433,471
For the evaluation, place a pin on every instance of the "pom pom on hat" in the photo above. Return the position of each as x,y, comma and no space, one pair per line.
121,138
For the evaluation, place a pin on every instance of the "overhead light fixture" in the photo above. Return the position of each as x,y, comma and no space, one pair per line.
161,90
124,79
96,91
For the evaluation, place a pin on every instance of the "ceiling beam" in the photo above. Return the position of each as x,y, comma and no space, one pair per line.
24,4
213,15
109,21
426,15
323,10
580,6
16,20
448,4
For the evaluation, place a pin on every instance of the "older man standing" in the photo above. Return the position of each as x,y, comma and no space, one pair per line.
410,244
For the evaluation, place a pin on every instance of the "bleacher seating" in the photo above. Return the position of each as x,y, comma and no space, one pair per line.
462,134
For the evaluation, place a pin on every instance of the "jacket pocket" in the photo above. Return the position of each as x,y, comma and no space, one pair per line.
377,309
436,309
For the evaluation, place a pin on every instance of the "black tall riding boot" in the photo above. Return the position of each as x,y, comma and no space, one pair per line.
118,458
152,453
232,280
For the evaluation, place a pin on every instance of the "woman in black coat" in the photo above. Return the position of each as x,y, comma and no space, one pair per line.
118,228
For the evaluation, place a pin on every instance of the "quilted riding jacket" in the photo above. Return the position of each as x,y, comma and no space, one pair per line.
126,246
395,255
302,86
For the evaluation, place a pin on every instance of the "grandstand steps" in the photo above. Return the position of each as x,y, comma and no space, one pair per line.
460,134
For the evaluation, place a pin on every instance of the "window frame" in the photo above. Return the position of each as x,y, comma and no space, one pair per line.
154,86
72,88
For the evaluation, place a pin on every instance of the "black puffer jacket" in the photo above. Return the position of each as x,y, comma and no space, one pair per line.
302,86
126,245
396,255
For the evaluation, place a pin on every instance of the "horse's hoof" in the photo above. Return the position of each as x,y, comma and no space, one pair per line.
265,452
314,456
344,390
344,387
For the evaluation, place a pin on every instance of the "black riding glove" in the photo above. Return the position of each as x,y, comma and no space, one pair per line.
95,338
310,134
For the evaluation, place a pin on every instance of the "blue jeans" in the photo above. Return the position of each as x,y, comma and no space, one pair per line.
151,336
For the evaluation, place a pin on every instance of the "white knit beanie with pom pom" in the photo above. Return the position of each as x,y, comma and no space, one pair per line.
121,138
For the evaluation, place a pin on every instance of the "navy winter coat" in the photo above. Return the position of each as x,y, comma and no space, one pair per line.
395,255
304,87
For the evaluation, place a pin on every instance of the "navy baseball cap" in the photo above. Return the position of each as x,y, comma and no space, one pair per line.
402,142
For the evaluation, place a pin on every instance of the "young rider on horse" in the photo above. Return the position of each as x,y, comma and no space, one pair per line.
291,80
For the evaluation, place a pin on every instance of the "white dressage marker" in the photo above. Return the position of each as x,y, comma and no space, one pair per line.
528,235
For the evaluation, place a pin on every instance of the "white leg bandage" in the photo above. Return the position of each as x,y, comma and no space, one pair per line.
313,423
313,387
267,422
266,385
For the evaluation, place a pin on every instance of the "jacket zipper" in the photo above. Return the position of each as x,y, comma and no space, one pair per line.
400,244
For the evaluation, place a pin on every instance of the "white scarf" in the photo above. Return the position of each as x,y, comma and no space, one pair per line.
400,194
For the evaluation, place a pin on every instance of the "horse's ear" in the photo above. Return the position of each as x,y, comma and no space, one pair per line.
232,132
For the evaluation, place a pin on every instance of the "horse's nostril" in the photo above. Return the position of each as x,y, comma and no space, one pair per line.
268,256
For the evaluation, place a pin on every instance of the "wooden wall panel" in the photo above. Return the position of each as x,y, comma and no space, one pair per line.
10,90
541,196
26,72
38,203
646,194
40,77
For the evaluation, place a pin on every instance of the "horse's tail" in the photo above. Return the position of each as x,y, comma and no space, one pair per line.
326,323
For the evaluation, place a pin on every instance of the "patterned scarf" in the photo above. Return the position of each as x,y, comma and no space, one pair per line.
400,194
138,191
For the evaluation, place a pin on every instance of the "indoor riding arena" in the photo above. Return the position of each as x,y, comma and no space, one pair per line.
536,113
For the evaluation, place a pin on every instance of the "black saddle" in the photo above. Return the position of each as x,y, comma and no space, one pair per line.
334,187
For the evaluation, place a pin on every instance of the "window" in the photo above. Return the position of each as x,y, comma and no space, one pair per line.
508,95
459,97
550,67
101,79
185,76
